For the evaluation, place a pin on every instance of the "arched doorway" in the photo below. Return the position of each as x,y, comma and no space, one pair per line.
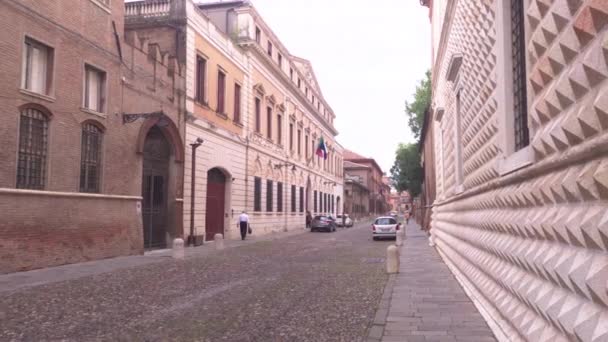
308,194
216,200
338,206
157,153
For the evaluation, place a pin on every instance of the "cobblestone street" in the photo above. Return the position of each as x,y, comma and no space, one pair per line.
306,287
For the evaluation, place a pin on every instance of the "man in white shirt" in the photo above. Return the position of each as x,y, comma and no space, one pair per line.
244,224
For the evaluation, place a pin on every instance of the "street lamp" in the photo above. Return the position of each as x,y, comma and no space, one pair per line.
198,142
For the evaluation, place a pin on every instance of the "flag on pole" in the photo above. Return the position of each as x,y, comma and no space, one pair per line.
322,149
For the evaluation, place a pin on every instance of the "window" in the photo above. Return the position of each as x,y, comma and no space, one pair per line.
279,197
291,74
315,200
518,51
221,92
269,122
257,194
33,140
458,137
258,35
90,162
301,199
237,103
201,71
280,58
269,196
293,198
269,49
299,141
258,109
291,137
37,73
306,145
306,91
320,201
313,99
280,129
94,89
299,83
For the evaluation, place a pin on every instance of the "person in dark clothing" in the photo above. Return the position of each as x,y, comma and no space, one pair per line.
243,224
308,219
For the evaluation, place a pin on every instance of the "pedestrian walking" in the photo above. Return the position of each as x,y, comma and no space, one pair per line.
308,219
243,224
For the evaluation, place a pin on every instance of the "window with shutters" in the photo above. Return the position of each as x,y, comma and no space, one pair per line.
269,49
320,201
306,145
258,109
269,122
315,200
237,103
269,196
94,89
290,137
518,50
257,194
280,60
280,129
201,73
90,160
291,74
279,197
33,140
301,199
299,142
258,35
221,92
37,69
293,198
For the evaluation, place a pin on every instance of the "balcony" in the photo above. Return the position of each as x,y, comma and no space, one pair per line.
147,9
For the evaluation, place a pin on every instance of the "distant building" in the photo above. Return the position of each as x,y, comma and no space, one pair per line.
356,190
378,193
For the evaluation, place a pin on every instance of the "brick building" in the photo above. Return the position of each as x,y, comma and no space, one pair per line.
519,110
378,193
72,160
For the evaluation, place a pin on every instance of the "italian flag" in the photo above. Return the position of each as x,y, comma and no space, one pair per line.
322,149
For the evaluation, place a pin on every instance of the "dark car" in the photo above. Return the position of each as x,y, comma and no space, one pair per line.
322,222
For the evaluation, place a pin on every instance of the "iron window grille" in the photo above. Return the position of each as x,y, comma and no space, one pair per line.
520,110
90,158
293,198
269,196
33,140
301,199
279,197
257,194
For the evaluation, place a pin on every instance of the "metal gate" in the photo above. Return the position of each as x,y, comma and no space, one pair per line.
154,189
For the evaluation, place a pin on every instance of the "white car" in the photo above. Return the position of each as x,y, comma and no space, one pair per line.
348,222
385,227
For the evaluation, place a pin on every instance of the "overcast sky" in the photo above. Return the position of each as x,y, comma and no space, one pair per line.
368,56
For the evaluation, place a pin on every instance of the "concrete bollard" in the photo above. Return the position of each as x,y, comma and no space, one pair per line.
218,239
392,259
178,249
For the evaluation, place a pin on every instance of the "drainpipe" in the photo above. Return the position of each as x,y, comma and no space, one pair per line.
194,146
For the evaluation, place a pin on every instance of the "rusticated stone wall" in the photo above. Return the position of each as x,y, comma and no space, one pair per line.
531,243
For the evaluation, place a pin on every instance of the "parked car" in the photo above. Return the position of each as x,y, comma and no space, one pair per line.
393,214
348,222
385,227
323,222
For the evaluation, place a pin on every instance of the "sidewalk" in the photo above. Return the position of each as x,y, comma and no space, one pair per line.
424,302
20,280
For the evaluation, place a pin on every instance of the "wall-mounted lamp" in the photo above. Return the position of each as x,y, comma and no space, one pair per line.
293,166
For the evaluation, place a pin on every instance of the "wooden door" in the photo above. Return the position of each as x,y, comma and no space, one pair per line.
216,196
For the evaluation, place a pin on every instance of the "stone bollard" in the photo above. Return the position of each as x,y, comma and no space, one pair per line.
218,239
431,241
400,237
392,259
178,249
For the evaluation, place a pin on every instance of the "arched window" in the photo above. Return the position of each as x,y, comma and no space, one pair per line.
33,140
90,163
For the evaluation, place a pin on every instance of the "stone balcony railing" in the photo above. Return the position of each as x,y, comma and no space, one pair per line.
148,9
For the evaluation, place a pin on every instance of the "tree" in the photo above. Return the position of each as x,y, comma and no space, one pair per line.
406,172
416,109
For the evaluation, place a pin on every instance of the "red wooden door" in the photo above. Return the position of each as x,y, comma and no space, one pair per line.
216,195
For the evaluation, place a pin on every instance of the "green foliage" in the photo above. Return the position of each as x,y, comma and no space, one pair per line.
406,172
416,109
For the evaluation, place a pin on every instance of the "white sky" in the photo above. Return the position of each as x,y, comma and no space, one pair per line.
368,57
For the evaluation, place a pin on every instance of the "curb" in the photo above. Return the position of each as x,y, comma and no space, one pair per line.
376,331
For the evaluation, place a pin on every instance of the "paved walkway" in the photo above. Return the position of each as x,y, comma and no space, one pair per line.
424,302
